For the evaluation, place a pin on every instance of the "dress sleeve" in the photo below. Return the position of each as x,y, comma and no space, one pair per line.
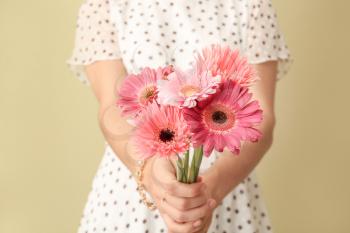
263,38
95,37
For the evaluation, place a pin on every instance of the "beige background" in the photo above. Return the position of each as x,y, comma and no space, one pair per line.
50,145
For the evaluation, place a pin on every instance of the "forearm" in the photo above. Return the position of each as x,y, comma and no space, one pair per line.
118,139
104,77
229,170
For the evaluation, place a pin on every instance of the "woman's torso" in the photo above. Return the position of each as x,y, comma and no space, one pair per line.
158,32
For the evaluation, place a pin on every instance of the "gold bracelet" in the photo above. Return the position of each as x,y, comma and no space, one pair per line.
141,188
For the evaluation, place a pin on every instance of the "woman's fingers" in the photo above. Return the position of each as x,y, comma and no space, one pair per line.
185,190
176,204
182,206
204,226
180,203
176,227
187,215
175,188
185,203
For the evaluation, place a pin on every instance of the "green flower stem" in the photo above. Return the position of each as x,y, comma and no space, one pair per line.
179,169
186,161
191,176
199,156
186,174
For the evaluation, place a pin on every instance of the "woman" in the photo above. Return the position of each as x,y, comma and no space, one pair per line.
117,37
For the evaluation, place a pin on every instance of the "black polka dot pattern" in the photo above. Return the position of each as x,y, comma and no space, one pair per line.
159,32
264,41
96,37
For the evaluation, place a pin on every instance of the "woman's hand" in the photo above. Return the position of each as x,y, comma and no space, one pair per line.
182,206
212,182
205,223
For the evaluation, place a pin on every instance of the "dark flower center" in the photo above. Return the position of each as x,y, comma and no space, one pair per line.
166,135
219,117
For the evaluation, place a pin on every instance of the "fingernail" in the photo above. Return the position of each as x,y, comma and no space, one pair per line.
197,223
212,203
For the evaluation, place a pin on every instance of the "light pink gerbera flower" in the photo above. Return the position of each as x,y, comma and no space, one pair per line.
225,119
137,92
185,88
226,62
163,72
162,131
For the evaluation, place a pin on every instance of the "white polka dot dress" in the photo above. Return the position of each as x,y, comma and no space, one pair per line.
157,33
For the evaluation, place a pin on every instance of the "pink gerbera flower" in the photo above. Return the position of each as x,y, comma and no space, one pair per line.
223,61
162,131
225,119
163,72
184,89
138,91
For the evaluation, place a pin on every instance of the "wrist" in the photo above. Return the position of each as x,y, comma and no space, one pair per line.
142,183
147,174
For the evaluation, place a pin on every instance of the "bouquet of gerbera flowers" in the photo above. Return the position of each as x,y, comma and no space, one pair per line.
208,107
